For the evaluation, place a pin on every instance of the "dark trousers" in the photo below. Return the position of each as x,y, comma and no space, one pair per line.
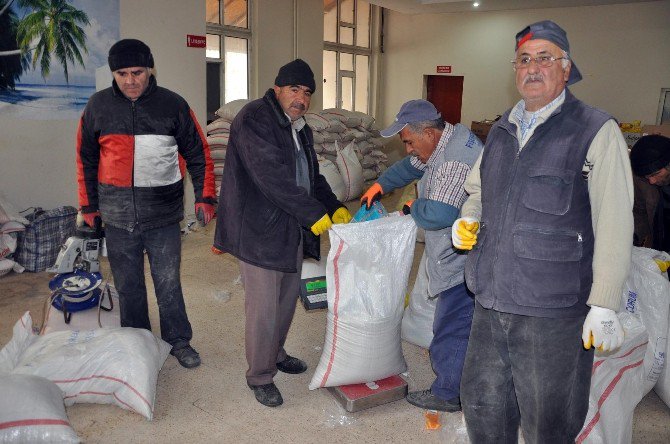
528,370
451,329
126,257
269,305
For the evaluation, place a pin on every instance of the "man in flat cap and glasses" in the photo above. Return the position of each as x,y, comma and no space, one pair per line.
550,218
131,140
440,156
274,205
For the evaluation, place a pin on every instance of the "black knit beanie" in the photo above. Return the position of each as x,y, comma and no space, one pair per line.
296,72
127,53
650,154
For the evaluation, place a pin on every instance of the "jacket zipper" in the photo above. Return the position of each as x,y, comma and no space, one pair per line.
132,176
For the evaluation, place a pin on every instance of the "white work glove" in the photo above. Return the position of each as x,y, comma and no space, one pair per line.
602,329
464,233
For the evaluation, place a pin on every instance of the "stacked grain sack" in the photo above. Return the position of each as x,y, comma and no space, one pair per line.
218,132
348,148
337,133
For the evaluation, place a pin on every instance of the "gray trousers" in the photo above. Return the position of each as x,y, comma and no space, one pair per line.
269,304
528,370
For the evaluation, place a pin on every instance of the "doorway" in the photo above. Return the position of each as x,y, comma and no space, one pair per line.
446,93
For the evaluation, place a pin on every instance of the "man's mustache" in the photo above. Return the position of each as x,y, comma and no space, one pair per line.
297,105
533,78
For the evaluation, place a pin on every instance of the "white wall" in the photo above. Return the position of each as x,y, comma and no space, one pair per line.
622,51
37,158
278,39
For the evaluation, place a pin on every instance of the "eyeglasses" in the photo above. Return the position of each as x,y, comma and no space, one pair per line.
543,61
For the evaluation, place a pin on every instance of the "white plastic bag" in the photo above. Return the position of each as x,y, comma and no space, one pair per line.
367,272
417,320
621,379
32,411
103,366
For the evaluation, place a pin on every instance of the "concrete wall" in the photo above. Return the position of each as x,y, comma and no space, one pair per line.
622,51
285,30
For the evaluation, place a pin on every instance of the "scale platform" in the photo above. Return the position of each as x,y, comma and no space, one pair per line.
313,294
356,397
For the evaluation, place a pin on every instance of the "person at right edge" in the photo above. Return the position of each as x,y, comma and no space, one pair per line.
650,159
550,218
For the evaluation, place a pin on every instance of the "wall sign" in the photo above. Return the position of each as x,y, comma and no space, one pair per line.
196,41
444,69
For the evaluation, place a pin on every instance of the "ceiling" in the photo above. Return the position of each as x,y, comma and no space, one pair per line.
440,6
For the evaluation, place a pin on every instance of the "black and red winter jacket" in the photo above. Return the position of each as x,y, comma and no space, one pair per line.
131,157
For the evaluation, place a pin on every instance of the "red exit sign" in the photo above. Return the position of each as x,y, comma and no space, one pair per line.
196,41
444,69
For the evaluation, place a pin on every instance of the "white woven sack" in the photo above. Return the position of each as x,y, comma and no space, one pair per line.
366,277
417,320
351,171
230,109
218,140
350,119
316,121
620,379
104,366
219,125
32,411
332,175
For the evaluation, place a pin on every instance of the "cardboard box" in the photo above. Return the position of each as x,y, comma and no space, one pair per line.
663,130
481,129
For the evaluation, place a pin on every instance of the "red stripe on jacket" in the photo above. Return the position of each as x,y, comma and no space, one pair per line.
208,186
116,160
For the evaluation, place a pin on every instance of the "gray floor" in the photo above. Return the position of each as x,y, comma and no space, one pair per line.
213,404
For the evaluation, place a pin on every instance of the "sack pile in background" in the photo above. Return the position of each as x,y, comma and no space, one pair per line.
350,150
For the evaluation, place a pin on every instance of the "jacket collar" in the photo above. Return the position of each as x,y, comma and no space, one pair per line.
278,111
151,87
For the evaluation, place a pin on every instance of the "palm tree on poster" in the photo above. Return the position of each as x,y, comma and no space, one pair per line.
53,27
11,68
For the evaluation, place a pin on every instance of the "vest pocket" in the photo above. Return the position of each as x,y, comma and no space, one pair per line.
549,190
546,267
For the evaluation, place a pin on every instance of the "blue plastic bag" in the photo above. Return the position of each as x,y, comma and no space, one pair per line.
376,211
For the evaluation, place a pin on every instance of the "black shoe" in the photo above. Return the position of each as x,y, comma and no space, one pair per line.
292,365
426,400
187,356
267,394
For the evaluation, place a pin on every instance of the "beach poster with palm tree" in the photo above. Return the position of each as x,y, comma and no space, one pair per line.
49,53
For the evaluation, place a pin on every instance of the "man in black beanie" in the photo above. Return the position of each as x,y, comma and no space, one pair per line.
650,160
131,138
273,206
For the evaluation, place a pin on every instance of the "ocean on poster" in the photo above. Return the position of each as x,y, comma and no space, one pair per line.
45,102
